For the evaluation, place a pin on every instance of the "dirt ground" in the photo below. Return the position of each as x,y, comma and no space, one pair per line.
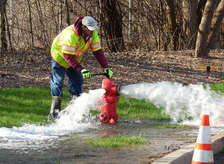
33,69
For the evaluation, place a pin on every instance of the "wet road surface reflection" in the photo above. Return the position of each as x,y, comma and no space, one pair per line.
73,148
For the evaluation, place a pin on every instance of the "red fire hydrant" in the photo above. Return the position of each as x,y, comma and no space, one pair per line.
108,112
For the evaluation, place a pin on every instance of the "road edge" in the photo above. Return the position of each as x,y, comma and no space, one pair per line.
184,155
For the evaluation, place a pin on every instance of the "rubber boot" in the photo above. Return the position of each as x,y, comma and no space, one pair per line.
55,108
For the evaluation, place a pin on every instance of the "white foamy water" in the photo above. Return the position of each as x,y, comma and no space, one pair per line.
72,120
181,102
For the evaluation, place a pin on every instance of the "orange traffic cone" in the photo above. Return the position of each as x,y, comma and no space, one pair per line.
203,153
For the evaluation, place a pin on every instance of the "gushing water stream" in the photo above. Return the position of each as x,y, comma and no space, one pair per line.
185,104
70,121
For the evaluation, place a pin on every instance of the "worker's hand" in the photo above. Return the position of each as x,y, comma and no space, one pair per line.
108,72
85,73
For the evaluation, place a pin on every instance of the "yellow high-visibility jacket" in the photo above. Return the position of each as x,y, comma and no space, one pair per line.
70,42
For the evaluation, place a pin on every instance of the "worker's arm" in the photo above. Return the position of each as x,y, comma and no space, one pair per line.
72,61
103,62
101,58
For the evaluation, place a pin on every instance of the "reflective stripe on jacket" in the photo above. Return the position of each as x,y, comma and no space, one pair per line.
70,42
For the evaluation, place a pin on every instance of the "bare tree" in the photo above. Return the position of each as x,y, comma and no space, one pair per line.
216,25
30,23
68,13
174,27
204,29
3,25
200,9
113,24
130,21
155,25
190,24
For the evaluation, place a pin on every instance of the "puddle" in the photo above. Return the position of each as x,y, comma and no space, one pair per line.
72,148
65,140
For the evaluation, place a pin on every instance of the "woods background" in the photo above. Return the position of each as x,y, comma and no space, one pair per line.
125,25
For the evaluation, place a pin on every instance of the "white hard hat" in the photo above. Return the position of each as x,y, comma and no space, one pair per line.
90,23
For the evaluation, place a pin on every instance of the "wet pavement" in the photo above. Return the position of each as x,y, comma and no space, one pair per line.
219,158
73,148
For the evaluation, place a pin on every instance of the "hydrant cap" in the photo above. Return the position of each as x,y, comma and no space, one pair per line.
107,83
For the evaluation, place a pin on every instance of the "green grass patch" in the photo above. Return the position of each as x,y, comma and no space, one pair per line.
217,87
117,141
32,105
131,108
25,105
139,109
173,126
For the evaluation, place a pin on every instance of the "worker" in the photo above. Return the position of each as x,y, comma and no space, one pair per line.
67,51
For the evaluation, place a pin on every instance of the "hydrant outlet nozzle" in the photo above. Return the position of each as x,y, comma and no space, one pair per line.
118,90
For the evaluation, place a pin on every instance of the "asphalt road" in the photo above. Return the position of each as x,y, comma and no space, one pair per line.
219,158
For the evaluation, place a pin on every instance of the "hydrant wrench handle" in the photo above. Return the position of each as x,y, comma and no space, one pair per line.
97,74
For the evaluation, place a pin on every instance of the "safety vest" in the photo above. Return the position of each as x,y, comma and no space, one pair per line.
70,42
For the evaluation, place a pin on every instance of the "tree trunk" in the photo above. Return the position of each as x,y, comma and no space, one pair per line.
113,25
68,12
204,29
11,23
174,32
190,24
200,9
216,25
30,22
130,22
3,25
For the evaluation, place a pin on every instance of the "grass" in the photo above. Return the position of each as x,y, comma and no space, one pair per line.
116,141
32,105
131,108
172,126
217,87
25,105
139,109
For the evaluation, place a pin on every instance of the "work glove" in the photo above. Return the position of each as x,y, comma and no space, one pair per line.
108,72
85,73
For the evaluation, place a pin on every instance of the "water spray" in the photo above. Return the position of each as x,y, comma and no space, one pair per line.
184,104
